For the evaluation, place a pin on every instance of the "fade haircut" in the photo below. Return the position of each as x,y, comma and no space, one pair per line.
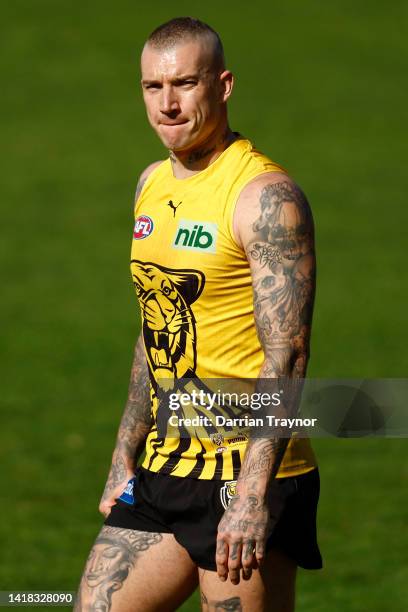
183,29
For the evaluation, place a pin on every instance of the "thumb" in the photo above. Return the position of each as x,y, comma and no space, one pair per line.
105,507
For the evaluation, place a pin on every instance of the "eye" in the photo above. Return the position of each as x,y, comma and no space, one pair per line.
138,289
187,83
152,86
166,290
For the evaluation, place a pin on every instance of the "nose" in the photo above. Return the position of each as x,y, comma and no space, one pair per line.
166,307
168,101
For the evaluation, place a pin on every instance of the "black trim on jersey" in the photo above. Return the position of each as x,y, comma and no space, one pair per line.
174,456
200,462
219,463
157,443
236,462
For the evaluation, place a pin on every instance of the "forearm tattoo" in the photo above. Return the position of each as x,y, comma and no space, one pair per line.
261,463
137,417
117,474
135,424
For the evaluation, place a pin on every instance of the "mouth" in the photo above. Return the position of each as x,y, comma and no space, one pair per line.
160,345
173,123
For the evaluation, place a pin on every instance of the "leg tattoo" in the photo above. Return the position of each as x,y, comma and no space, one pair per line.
111,559
233,604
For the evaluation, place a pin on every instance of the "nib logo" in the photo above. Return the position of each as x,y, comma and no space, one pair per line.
196,236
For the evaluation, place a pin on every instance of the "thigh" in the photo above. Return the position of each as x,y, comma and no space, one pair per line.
270,589
130,570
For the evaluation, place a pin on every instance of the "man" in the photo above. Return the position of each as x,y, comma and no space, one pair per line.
224,269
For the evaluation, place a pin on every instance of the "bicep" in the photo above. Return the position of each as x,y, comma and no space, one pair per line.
139,187
278,238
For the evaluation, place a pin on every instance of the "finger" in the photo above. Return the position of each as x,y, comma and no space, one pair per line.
102,509
260,551
221,559
106,507
248,559
235,561
105,511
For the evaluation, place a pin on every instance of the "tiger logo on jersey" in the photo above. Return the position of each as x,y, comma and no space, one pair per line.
169,329
217,438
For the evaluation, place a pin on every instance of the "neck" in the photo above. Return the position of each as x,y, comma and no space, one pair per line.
186,163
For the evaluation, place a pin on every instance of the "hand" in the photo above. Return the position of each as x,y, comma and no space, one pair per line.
241,538
113,489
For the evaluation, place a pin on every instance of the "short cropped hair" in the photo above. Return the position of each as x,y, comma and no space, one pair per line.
181,29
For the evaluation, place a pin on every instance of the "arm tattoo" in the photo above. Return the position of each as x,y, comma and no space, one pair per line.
135,424
139,188
137,418
282,258
281,254
262,459
117,473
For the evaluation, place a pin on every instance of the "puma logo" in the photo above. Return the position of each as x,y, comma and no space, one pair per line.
173,206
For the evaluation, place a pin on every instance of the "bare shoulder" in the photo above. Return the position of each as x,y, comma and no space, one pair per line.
144,175
270,196
150,169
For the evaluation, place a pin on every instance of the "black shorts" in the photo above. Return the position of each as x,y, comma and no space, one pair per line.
192,509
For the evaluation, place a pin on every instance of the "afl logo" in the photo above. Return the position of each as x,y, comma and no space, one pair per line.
143,227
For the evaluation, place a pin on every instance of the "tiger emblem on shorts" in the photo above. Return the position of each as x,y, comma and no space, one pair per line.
169,328
227,492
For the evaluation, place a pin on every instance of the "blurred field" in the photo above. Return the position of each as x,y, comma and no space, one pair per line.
321,88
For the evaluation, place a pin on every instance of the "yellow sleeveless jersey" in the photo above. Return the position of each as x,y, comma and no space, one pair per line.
194,288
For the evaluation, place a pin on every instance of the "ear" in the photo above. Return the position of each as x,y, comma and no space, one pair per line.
189,283
227,83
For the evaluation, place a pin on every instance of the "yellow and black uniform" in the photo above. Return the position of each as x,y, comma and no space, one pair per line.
191,510
194,287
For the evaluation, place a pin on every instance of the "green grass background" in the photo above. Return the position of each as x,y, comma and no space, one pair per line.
321,87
